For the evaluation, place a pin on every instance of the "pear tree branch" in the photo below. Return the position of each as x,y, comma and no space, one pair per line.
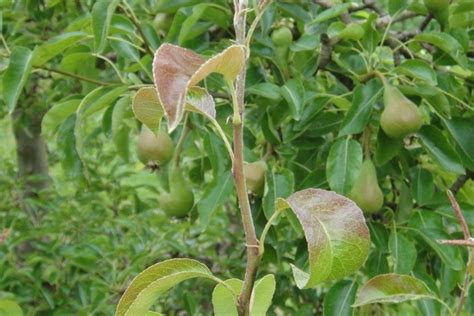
238,93
466,242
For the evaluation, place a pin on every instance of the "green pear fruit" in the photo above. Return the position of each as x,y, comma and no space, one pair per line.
353,31
255,176
400,116
180,200
439,9
150,147
282,37
366,192
162,22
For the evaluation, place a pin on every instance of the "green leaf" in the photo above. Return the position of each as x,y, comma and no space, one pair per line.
445,42
99,99
438,147
343,164
188,24
16,75
462,129
387,148
462,14
363,102
216,153
262,295
57,114
403,252
95,101
10,308
449,256
392,288
338,300
423,188
331,13
215,194
307,42
157,279
418,69
200,101
405,203
55,46
70,160
170,6
224,297
440,103
266,89
376,263
102,12
372,36
151,35
294,94
120,129
147,108
395,7
294,10
335,230
277,185
429,227
224,300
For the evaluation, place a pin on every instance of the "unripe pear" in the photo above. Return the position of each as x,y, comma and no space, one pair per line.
162,22
180,200
282,37
255,176
150,147
366,192
353,31
400,116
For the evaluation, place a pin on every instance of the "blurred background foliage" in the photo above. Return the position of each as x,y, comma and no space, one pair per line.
80,215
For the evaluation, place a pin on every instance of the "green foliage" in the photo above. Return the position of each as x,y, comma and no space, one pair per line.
93,71
391,288
334,228
16,75
149,284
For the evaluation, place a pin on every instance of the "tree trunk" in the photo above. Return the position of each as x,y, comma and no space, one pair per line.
32,157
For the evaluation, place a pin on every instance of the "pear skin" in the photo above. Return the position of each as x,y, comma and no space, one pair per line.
353,31
400,116
366,192
180,200
151,147
255,176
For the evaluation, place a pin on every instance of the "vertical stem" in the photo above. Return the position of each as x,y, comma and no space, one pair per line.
464,292
253,255
457,211
182,138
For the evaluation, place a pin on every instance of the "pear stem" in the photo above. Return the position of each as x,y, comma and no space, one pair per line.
267,227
